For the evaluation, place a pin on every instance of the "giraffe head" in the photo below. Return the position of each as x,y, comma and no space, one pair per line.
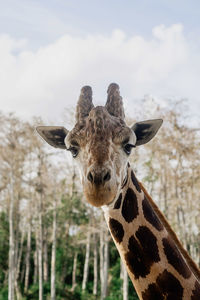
101,143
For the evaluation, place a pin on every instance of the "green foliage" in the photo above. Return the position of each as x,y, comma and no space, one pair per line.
131,291
73,209
115,288
4,247
34,290
61,292
4,293
80,295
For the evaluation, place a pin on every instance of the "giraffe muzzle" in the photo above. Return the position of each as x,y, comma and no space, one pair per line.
99,178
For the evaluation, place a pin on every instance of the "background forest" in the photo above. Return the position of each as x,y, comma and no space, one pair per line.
55,246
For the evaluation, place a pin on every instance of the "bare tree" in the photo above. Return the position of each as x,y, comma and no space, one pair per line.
28,253
74,271
11,242
86,264
104,257
106,264
45,254
53,252
95,268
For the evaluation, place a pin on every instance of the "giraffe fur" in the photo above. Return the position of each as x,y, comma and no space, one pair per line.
142,249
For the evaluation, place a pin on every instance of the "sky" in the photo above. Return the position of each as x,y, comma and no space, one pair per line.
50,49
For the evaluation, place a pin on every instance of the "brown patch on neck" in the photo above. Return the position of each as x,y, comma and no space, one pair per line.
188,259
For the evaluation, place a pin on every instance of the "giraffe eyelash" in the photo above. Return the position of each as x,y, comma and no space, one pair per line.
73,150
127,148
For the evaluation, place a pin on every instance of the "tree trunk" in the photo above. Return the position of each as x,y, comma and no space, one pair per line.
53,255
16,242
101,256
18,263
121,270
28,252
106,265
17,290
20,256
104,259
45,256
35,276
86,265
40,246
95,267
11,276
74,271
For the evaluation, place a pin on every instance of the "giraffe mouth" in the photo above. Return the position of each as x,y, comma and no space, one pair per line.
100,195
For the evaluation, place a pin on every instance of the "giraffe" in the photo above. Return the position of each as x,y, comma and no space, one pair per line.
101,144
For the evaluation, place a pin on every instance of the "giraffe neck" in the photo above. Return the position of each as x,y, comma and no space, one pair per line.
156,262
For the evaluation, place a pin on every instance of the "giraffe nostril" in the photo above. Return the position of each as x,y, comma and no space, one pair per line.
90,177
98,178
107,176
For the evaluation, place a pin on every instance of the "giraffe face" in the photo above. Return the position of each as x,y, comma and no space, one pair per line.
101,146
101,143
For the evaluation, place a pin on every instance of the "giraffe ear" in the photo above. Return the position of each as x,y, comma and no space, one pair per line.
53,135
146,130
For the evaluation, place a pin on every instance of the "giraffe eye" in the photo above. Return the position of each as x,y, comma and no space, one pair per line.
73,150
127,148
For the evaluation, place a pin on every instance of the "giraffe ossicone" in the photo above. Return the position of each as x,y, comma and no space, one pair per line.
101,143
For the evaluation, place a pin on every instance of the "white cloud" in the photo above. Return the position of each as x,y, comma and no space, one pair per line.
45,81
